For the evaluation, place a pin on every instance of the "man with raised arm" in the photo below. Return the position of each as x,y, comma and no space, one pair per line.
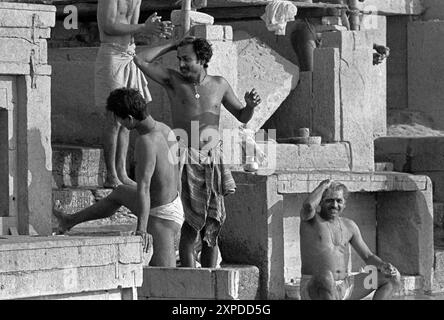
114,68
155,200
325,239
196,99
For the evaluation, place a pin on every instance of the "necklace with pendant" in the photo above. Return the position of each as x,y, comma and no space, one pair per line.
332,235
196,84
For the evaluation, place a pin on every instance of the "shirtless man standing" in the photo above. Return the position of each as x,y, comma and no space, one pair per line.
155,200
114,68
325,240
196,98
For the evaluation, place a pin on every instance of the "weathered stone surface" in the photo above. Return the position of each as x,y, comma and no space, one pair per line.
433,10
425,69
19,51
262,68
21,15
295,157
73,200
383,166
438,274
405,232
355,110
295,111
438,214
75,166
45,266
326,120
230,282
396,7
306,182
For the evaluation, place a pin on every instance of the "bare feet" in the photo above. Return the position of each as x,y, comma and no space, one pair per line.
63,221
129,182
111,182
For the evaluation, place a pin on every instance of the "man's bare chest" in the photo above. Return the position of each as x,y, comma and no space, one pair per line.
127,8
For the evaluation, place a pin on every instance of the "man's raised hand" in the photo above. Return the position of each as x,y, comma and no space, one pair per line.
154,25
252,98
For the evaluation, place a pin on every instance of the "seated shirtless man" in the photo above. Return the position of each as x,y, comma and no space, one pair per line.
325,240
155,199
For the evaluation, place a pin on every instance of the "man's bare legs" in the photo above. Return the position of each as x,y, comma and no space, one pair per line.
163,231
323,287
208,256
121,153
115,147
386,286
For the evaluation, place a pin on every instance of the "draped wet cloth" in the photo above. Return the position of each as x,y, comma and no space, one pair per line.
277,14
205,182
115,68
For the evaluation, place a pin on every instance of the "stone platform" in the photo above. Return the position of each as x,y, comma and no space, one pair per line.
393,210
230,282
64,267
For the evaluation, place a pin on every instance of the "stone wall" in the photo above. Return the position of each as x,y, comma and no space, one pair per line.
25,85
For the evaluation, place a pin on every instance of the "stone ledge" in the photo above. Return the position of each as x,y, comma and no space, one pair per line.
21,15
230,282
43,266
306,182
21,69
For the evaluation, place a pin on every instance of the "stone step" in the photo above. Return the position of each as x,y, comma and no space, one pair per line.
77,166
230,282
83,167
282,157
384,166
74,200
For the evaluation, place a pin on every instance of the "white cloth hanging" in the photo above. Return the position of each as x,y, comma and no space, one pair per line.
277,14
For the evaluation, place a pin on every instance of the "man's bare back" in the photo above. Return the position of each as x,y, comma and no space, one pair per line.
164,181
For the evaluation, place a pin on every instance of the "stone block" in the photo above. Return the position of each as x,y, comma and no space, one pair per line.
48,266
399,7
230,282
383,166
326,116
425,69
24,15
438,272
262,68
209,32
296,111
75,166
405,232
437,178
19,51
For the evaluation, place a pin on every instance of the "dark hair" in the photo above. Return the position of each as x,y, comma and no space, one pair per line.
202,48
337,186
124,102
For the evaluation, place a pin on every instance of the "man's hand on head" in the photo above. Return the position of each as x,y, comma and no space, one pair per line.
252,98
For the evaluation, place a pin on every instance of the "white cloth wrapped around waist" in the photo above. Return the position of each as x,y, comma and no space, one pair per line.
115,68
